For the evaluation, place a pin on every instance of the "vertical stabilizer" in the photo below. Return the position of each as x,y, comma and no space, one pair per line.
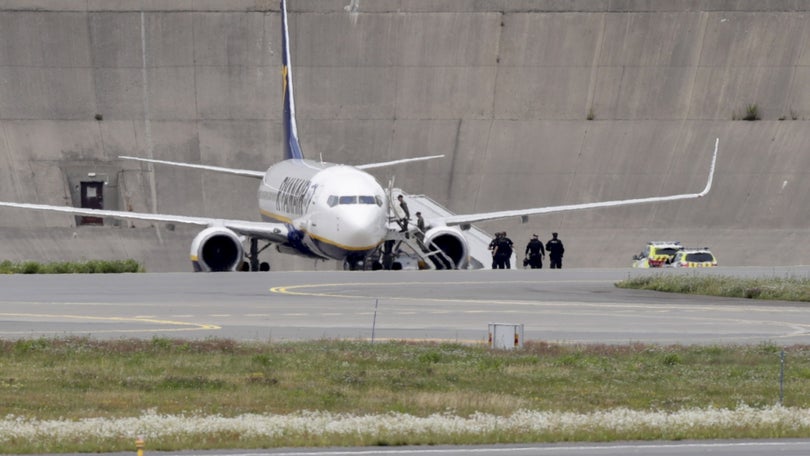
291,147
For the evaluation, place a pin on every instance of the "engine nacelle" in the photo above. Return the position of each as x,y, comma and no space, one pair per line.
216,249
451,243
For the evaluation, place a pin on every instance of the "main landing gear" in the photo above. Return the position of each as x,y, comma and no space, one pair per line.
252,263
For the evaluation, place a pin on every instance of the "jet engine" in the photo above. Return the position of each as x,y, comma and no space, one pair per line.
448,247
216,249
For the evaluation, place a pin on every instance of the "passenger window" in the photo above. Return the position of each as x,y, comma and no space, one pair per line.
348,200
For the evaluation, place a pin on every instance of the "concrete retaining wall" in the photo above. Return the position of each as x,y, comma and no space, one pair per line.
533,103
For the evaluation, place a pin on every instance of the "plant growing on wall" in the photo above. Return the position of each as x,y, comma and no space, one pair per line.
751,112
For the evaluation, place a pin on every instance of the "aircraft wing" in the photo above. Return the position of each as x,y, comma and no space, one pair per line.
260,174
484,216
274,232
219,169
397,162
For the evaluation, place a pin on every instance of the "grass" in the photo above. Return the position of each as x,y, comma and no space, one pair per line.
751,113
329,384
774,288
87,267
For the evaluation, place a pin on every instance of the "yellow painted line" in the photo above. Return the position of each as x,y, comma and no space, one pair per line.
293,290
183,326
290,289
301,290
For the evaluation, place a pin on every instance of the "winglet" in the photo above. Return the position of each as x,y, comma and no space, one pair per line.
711,170
292,150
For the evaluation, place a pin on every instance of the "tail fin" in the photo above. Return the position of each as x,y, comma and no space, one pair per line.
291,147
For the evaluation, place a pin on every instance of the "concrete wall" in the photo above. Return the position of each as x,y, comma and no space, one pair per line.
504,88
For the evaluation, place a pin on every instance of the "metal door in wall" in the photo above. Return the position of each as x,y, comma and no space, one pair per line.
92,198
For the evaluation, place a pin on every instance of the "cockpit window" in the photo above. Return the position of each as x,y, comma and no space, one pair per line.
353,199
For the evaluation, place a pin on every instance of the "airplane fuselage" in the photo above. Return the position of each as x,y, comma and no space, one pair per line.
332,211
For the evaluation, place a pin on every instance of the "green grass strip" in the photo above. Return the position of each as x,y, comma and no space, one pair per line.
87,267
773,288
79,394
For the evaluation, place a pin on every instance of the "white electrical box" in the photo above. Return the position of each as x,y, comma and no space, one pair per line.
505,336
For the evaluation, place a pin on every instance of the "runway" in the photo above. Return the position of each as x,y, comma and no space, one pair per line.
568,306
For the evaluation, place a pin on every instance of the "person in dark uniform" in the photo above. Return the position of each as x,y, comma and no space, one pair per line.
535,253
493,247
503,252
403,222
555,252
420,232
420,222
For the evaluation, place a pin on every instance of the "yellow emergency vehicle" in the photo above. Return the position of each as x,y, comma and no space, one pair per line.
694,258
657,254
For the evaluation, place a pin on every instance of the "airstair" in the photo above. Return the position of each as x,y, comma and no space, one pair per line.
477,240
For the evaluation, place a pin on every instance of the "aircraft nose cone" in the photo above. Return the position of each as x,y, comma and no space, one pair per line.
362,227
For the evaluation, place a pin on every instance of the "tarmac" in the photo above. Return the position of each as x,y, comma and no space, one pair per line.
534,103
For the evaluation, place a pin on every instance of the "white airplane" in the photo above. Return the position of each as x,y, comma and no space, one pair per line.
326,210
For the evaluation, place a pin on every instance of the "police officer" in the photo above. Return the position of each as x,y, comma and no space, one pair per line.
493,247
503,252
555,252
535,252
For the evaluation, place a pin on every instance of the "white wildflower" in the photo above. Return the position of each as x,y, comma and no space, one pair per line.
154,426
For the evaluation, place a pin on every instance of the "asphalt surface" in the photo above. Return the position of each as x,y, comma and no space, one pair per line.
568,306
